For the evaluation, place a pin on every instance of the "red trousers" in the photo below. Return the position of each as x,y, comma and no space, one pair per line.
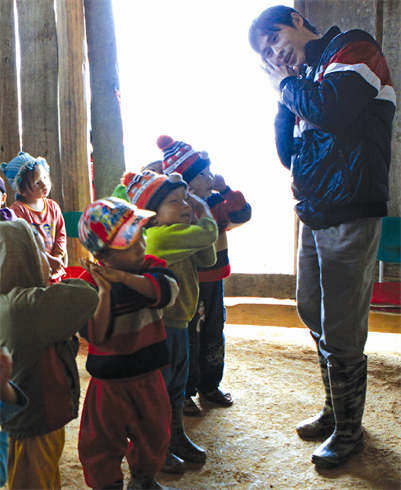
129,417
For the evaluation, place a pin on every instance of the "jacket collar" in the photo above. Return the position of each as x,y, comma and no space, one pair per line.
314,49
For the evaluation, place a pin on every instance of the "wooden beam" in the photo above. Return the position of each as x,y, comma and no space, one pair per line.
73,108
258,311
39,85
9,131
107,131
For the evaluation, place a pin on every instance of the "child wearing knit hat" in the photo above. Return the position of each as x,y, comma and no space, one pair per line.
206,335
185,241
29,177
127,410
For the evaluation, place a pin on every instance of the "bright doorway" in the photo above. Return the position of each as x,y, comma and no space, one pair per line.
187,70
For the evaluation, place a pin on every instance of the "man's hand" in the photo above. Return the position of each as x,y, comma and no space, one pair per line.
277,73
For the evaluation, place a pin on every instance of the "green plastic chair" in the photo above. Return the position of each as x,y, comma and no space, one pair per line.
390,243
71,219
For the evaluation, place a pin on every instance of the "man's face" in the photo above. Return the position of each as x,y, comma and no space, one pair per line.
286,47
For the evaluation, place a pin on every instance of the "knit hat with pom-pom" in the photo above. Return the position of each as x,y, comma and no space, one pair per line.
182,158
148,189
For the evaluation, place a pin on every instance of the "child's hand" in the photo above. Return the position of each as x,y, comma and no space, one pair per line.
199,206
219,183
56,263
107,273
7,392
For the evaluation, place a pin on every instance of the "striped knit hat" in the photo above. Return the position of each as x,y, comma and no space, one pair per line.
148,189
182,158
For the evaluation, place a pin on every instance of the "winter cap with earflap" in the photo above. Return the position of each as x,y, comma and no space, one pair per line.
111,223
16,167
148,189
182,158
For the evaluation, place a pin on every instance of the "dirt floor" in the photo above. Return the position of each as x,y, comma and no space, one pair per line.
272,374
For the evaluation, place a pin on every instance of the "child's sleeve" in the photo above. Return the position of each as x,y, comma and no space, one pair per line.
178,242
164,281
239,211
60,238
20,211
10,410
206,257
230,207
57,311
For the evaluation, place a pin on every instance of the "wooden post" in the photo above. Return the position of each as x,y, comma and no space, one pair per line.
39,85
73,108
9,131
107,132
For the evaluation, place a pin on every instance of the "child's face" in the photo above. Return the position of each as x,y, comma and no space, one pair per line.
128,260
174,209
39,185
202,184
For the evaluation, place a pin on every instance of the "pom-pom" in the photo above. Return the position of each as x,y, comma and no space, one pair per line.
175,177
127,178
204,155
164,141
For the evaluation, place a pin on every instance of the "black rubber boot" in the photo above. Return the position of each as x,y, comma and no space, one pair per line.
348,394
180,444
173,464
323,423
140,482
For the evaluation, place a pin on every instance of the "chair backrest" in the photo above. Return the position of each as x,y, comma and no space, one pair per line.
390,240
71,219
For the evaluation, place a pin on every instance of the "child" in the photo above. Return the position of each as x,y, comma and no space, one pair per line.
185,242
12,401
126,410
206,336
37,321
30,178
6,214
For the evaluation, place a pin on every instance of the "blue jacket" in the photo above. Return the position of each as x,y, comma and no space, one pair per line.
333,130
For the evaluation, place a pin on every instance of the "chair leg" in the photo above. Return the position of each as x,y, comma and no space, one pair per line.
381,271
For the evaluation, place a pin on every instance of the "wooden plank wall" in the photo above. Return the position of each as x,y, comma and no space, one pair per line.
39,85
55,95
9,132
107,129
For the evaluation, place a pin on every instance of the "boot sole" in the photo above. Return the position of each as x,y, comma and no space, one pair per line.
328,463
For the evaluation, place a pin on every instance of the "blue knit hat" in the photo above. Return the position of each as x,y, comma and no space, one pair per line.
15,169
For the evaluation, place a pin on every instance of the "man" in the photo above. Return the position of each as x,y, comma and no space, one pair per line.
333,130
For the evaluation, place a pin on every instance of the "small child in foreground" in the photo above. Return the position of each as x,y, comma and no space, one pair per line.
12,402
38,322
185,241
30,179
127,411
206,330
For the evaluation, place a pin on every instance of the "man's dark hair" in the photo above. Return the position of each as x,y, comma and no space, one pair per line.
269,20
